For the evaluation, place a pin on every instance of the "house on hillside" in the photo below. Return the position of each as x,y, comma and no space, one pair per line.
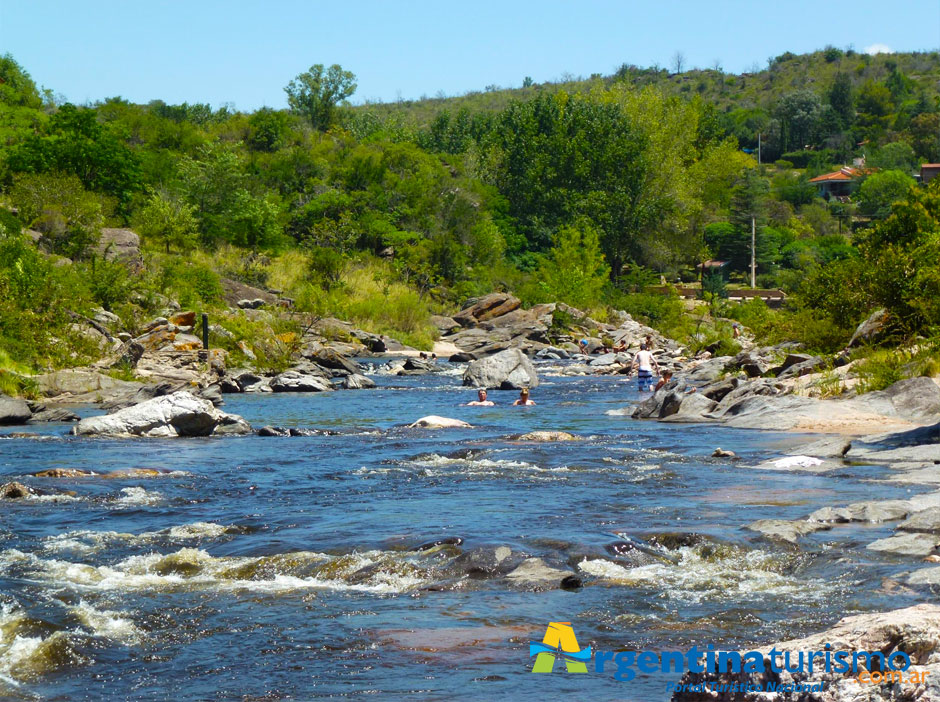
839,184
929,171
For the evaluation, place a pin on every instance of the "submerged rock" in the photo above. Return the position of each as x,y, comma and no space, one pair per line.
536,574
432,421
906,544
447,541
64,473
784,530
355,381
488,561
178,414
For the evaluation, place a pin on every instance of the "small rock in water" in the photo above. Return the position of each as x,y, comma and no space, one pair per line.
721,453
432,421
63,473
14,491
547,436
448,541
273,431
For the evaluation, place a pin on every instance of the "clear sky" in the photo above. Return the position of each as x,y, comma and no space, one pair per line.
244,52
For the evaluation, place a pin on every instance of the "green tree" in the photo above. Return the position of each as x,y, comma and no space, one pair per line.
268,130
896,156
799,113
316,93
874,109
168,220
842,100
574,270
879,190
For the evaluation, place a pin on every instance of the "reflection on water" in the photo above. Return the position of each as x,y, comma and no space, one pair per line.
310,566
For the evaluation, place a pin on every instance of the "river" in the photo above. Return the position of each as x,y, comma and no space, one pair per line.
283,568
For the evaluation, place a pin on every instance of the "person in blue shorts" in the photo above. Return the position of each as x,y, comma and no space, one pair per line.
644,363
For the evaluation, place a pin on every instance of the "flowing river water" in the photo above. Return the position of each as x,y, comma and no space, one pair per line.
285,568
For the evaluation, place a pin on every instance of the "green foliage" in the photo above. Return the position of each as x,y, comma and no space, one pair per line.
876,195
191,283
574,270
881,369
168,220
316,92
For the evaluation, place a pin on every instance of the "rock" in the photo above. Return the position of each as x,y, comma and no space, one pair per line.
831,515
508,370
810,365
355,381
485,562
129,355
783,530
547,436
487,307
869,330
926,521
446,541
374,342
14,491
708,371
120,245
906,544
178,414
462,357
915,631
13,411
609,359
879,511
444,325
105,318
273,431
691,408
56,414
914,398
254,304
293,381
213,393
721,453
64,473
536,574
433,421
183,319
330,358
717,391
924,576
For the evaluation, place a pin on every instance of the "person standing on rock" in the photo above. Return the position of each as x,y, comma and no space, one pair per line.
644,363
523,400
481,400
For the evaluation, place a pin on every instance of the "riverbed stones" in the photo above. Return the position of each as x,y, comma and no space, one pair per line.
14,411
784,530
927,521
177,414
547,436
507,370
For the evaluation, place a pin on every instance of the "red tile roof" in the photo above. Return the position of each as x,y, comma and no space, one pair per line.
846,173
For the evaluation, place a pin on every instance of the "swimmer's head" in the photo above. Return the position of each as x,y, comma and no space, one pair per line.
667,374
481,393
524,393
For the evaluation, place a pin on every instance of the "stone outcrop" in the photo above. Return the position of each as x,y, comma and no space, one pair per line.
177,414
295,381
14,411
433,421
507,370
914,631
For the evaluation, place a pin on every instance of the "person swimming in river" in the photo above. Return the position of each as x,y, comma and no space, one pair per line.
644,363
664,378
523,398
481,400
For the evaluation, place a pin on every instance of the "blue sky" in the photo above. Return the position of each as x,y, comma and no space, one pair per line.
244,52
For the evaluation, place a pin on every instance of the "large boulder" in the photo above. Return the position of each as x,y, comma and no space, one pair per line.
330,358
486,308
120,245
14,410
692,407
295,381
178,414
508,370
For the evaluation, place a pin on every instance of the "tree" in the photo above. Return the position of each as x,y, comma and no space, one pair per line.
268,130
879,190
168,220
315,93
678,61
574,271
896,156
874,108
799,114
842,100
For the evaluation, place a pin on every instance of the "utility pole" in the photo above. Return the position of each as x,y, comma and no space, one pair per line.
753,253
758,148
